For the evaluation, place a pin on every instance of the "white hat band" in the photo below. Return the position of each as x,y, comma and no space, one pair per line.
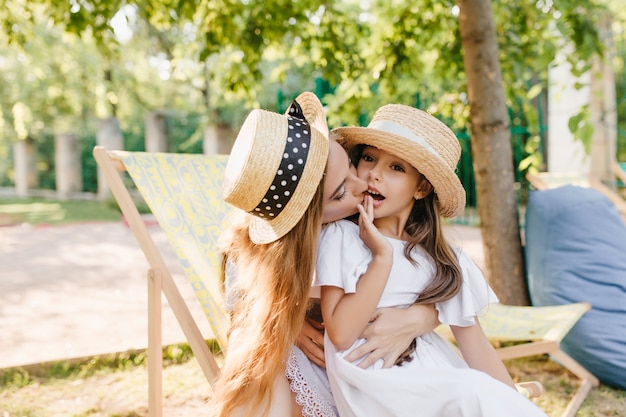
396,129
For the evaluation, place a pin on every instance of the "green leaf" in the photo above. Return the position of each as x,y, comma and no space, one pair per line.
534,91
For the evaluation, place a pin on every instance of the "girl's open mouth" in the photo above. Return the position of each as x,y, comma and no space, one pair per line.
375,195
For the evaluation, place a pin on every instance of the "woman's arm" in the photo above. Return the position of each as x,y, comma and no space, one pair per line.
311,341
391,331
479,353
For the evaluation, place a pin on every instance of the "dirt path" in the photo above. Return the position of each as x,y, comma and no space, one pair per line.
79,290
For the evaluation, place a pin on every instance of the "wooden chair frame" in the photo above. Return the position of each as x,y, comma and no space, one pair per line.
538,331
528,331
160,281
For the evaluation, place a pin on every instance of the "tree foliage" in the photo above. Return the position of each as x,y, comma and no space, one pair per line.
372,52
222,57
225,56
66,61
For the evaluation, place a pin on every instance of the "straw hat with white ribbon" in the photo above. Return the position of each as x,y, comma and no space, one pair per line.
276,165
420,139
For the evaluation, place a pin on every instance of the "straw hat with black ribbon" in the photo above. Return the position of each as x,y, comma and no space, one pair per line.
276,165
420,139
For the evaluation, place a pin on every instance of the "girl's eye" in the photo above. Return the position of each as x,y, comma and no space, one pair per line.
367,158
398,168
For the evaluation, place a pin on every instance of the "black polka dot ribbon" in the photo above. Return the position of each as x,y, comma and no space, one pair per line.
291,166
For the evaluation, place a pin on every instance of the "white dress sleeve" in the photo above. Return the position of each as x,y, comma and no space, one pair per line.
342,257
475,295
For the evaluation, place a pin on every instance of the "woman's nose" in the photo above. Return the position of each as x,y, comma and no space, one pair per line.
359,186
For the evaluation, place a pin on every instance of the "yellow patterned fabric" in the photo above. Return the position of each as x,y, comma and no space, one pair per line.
516,323
183,192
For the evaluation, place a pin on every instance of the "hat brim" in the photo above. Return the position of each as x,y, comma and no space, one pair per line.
448,187
313,110
266,231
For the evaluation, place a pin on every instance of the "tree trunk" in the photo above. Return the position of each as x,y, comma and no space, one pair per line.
492,154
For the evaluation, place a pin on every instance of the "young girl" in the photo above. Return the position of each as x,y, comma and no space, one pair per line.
408,159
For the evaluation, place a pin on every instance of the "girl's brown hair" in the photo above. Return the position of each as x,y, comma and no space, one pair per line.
424,228
273,283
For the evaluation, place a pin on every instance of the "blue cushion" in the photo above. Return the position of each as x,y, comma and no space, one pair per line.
576,251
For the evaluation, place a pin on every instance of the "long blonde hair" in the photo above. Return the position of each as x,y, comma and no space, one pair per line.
273,283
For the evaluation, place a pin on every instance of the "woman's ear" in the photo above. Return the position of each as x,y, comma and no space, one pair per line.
423,189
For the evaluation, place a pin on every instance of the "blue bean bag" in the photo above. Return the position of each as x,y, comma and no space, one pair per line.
576,251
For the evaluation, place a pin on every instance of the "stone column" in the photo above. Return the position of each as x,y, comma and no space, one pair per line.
210,140
603,110
25,165
218,139
563,152
156,132
108,135
68,166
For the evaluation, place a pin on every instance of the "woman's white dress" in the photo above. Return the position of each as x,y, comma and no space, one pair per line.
436,382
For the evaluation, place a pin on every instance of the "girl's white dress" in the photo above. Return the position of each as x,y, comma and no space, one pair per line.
436,382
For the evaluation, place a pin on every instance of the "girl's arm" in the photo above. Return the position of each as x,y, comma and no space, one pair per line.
347,315
391,331
479,353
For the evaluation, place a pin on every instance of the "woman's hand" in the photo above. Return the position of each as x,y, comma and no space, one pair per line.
391,331
311,341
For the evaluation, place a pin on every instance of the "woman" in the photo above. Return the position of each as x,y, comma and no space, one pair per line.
279,177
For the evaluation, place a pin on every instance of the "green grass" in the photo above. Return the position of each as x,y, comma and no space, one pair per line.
84,368
112,385
116,386
43,211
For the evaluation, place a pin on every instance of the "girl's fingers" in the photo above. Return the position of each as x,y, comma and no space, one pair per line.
362,214
369,206
365,222
366,209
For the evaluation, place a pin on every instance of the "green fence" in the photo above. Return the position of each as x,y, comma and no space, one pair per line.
465,170
185,132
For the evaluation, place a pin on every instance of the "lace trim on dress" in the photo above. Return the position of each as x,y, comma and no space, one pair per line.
312,403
